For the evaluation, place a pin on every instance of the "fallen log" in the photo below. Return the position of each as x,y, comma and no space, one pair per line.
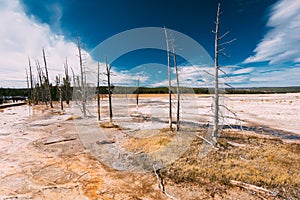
25,196
210,143
12,104
234,144
111,141
253,188
75,180
60,140
66,186
161,184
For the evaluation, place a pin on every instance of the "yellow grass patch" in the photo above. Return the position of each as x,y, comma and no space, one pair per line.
147,144
73,118
264,162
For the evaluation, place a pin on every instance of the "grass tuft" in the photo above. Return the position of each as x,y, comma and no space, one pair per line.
263,162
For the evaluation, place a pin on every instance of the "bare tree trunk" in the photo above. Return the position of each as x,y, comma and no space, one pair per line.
177,89
108,68
27,78
74,86
37,96
60,95
169,79
40,80
82,78
98,91
137,92
45,89
67,83
47,77
31,81
216,96
59,88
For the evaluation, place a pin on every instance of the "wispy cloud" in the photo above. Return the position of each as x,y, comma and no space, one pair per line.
23,36
245,70
56,15
287,77
281,43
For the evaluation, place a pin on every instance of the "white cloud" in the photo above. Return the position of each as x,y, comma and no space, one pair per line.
118,78
246,70
127,79
281,43
189,76
23,36
287,77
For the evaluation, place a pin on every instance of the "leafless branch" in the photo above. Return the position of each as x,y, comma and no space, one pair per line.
210,143
224,35
161,184
224,72
253,188
229,85
228,42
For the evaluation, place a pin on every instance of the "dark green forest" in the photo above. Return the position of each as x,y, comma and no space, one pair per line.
159,90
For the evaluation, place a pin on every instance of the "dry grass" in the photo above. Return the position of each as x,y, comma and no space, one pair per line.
73,118
147,144
108,125
268,163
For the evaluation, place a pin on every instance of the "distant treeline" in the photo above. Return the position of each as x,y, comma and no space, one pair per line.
164,90
160,90
24,92
263,90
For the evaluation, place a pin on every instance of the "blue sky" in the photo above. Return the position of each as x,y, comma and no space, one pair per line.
266,52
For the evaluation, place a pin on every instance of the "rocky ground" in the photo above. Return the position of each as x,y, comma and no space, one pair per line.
43,157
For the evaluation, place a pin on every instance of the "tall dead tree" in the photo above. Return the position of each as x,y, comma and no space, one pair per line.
60,94
98,91
31,81
169,79
108,71
76,89
60,91
216,96
37,92
45,89
137,92
40,80
67,83
177,88
82,87
27,78
47,79
216,106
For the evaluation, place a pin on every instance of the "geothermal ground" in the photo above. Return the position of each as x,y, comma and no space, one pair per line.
52,154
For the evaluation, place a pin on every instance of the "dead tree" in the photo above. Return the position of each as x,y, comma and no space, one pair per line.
169,80
108,71
83,94
216,105
37,92
76,89
177,88
74,77
59,88
47,79
66,81
216,96
40,80
27,78
31,81
45,89
137,92
60,95
98,91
